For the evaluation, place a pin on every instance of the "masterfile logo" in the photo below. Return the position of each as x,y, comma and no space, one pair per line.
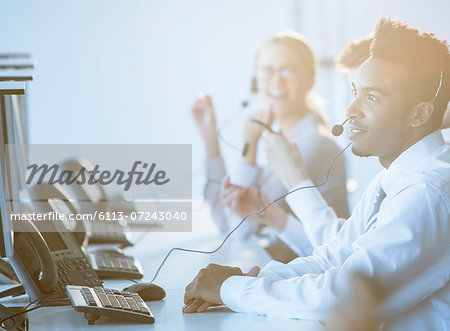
148,185
52,174
162,171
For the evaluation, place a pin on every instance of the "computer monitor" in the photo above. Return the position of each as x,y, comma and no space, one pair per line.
18,130
6,180
6,246
6,233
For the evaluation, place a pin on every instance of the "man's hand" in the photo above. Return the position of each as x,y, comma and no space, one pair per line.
204,291
284,159
244,200
203,113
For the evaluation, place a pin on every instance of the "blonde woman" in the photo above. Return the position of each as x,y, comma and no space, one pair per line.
284,75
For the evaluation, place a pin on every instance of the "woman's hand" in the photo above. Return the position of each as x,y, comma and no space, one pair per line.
244,200
253,131
203,113
284,159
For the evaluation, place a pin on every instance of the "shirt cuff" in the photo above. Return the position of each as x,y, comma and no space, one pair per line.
245,175
215,168
305,201
232,290
295,237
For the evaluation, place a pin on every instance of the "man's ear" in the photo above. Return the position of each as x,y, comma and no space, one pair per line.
421,114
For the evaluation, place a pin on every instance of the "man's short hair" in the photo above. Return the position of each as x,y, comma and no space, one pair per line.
422,55
355,54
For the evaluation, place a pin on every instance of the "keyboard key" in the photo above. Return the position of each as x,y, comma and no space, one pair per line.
133,304
104,299
123,302
115,303
145,310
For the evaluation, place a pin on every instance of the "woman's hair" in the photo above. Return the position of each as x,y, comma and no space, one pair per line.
299,43
355,54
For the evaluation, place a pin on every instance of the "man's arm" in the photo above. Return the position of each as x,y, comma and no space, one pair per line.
406,241
319,220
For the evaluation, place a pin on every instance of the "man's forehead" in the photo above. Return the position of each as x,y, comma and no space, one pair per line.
381,75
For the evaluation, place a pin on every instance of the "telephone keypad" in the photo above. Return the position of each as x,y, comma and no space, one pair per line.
80,272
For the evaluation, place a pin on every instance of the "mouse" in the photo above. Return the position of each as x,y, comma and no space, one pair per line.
147,291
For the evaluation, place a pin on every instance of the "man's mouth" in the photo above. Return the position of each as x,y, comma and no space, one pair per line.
355,131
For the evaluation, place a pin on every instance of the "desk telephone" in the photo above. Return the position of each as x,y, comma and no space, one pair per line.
48,261
93,198
107,263
54,271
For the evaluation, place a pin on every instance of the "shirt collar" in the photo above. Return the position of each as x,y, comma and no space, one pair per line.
406,162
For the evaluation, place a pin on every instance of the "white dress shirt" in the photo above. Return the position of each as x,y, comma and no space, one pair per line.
318,149
446,134
407,251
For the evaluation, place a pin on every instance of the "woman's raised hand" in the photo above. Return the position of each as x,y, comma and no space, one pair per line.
203,113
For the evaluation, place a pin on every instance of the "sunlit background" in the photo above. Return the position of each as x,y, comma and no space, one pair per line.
116,71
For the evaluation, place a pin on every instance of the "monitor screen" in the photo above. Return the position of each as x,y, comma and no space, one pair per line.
6,245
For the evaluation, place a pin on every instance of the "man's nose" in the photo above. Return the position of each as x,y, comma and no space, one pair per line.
354,110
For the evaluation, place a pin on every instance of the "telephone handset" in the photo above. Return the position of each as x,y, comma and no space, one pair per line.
93,199
95,193
107,264
34,253
40,193
47,261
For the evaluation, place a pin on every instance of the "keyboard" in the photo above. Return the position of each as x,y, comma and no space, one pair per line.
97,301
111,264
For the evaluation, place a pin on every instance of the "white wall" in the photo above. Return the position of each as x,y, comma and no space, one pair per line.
128,71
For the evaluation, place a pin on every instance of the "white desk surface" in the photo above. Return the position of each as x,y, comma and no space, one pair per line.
178,271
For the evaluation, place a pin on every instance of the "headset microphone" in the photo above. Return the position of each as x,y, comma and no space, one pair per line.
338,129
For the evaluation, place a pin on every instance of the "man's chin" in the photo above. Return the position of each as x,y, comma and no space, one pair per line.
360,152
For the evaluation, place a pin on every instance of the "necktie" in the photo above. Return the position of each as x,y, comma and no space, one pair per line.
376,207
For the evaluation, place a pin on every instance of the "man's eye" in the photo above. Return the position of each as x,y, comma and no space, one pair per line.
372,98
354,93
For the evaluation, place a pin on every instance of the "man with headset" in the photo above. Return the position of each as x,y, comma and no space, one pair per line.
398,234
356,53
